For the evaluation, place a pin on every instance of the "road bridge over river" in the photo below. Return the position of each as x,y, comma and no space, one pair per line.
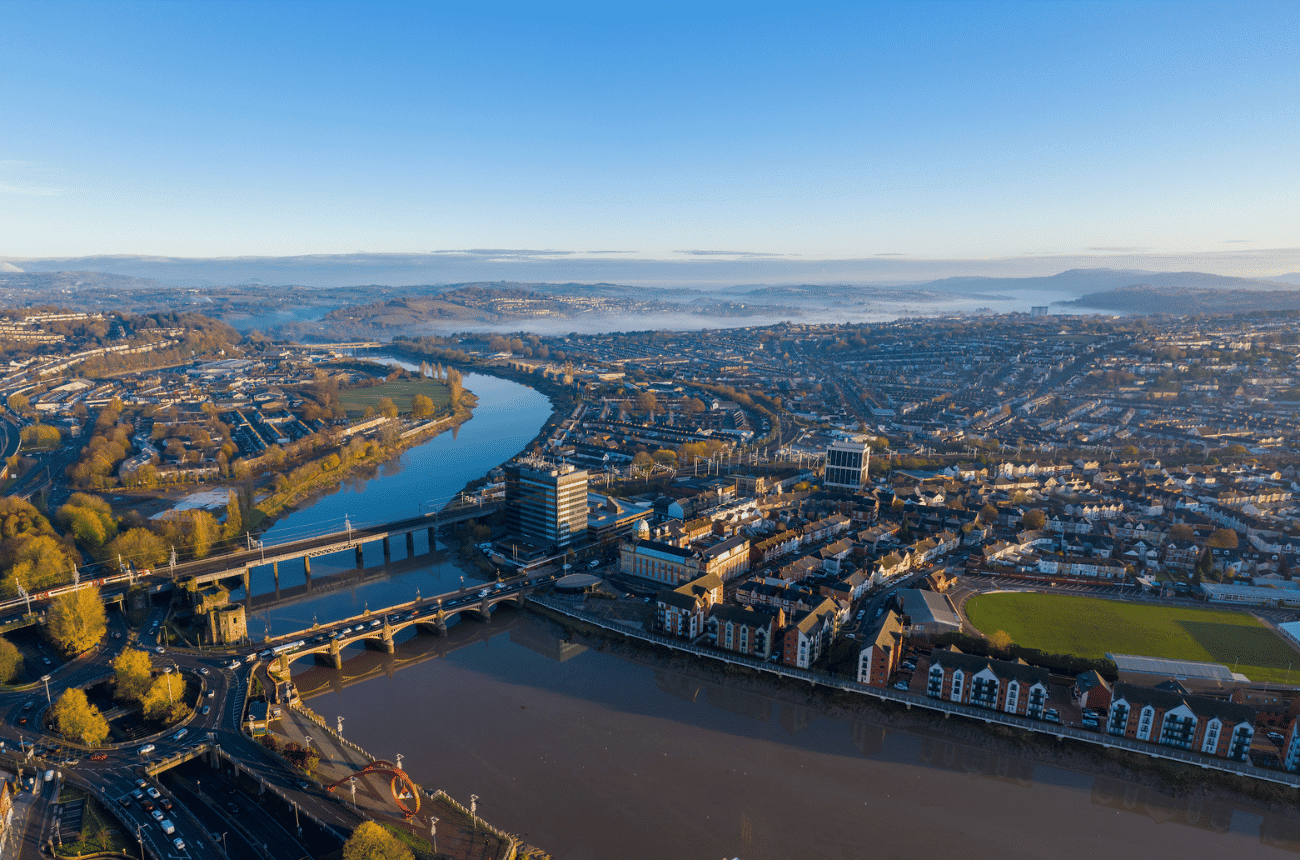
376,629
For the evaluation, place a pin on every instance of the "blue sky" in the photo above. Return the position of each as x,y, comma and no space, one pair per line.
939,131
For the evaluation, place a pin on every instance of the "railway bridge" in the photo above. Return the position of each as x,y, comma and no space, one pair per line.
237,565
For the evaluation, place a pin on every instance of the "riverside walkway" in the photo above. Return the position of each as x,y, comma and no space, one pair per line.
571,609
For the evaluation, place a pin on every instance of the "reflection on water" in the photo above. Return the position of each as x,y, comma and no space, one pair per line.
596,754
421,479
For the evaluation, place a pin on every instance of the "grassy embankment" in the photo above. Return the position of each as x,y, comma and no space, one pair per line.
1090,627
355,400
375,454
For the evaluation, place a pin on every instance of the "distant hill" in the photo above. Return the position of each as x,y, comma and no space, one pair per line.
1085,281
38,281
1154,299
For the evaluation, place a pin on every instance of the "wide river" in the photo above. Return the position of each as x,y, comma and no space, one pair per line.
609,754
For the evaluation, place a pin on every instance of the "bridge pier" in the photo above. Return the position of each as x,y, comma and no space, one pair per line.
485,611
248,575
388,550
336,654
306,567
275,571
410,545
361,561
433,539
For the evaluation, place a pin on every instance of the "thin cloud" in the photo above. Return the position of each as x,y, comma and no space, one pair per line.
734,254
505,252
1121,249
1237,241
891,254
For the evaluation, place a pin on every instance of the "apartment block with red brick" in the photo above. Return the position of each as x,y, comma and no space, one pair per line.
879,660
1171,717
1013,687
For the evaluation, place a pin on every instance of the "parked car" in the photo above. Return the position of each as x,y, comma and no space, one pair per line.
1052,716
902,685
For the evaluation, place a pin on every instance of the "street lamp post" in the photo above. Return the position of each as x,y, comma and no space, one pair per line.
46,679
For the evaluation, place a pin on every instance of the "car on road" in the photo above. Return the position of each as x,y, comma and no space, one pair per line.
99,757
167,826
211,693
141,783
179,843
303,784
160,650
146,749
124,801
157,815
203,670
165,804
45,660
22,721
483,593
27,706
153,792
182,733
207,709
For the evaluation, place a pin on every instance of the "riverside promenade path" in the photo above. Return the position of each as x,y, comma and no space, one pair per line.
460,836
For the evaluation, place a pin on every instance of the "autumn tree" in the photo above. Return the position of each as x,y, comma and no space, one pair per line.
11,661
19,402
193,533
133,674
647,402
387,407
141,547
78,720
370,841
76,620
1034,520
165,700
89,519
1181,531
988,514
454,385
1001,641
1223,539
233,527
421,406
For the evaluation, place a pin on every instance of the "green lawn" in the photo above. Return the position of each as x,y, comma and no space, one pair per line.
1089,627
355,400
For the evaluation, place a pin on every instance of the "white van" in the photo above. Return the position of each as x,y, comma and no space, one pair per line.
167,826
146,749
182,733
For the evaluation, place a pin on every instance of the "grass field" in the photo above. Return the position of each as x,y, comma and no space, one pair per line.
357,399
1089,627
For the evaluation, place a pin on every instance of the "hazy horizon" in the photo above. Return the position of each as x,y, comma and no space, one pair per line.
714,271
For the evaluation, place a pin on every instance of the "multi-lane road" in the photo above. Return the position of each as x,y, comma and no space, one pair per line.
201,810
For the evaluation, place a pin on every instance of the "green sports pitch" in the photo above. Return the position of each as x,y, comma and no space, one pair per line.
1089,627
